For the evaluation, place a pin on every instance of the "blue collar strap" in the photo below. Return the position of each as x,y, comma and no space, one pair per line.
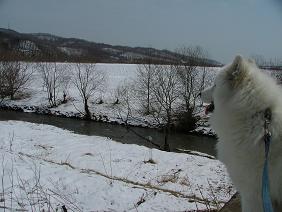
267,205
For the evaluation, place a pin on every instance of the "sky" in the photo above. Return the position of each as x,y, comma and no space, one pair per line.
223,27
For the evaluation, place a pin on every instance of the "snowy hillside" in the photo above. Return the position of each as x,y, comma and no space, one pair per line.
75,49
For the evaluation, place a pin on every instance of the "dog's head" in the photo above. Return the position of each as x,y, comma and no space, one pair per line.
227,83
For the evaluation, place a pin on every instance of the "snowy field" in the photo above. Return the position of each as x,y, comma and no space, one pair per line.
117,75
44,167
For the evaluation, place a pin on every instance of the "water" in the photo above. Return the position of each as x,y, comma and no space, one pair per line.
117,132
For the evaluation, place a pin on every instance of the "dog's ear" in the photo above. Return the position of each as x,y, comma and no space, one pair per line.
237,71
236,66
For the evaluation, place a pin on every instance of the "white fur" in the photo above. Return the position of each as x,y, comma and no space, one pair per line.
241,94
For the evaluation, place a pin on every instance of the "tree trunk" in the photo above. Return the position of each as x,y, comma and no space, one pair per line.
148,97
54,96
148,104
51,99
87,111
64,98
166,144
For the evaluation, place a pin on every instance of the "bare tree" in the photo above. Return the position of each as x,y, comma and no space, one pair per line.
15,76
164,100
126,107
124,93
192,74
143,83
88,80
53,77
65,82
165,91
145,74
3,83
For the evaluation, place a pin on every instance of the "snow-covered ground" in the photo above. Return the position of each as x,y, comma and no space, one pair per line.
46,167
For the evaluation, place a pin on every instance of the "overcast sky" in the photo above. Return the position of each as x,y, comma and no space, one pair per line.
223,27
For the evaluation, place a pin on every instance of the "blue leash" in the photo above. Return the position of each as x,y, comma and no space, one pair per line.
267,205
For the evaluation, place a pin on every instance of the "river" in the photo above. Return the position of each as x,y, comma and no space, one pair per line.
117,132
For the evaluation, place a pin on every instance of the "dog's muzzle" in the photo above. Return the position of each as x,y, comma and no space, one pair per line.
209,108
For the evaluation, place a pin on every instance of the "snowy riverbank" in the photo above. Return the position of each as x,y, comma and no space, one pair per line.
35,98
95,173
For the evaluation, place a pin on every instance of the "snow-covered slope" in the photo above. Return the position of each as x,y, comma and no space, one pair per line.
44,166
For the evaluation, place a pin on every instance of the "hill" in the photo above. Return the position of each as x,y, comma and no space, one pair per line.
48,47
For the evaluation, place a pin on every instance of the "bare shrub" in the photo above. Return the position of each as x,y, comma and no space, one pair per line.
54,79
14,77
165,90
88,81
145,75
125,97
192,75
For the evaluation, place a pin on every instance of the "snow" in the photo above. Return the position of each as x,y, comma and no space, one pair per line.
87,173
132,55
45,36
28,47
112,50
71,51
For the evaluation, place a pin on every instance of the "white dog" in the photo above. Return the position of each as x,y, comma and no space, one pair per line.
239,98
